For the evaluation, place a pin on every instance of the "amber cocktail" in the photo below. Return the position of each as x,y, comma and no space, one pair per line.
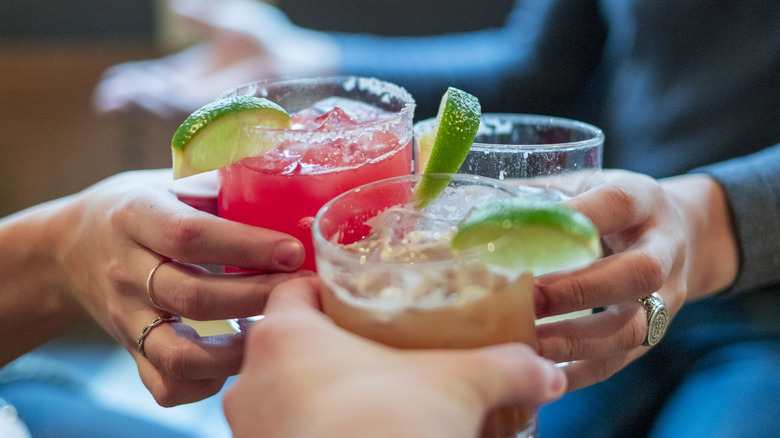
389,274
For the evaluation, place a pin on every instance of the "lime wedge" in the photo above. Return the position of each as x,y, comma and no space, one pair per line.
538,236
444,149
218,134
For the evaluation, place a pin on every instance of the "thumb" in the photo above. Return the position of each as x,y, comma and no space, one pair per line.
514,374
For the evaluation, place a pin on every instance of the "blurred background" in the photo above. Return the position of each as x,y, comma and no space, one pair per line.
53,52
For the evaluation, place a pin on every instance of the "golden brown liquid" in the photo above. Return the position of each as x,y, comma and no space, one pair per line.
502,312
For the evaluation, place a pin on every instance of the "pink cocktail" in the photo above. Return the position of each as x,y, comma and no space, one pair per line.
346,132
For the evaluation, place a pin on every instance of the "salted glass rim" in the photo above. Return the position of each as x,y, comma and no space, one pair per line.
336,251
596,133
372,84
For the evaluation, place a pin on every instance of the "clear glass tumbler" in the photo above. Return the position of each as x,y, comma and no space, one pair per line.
512,146
388,274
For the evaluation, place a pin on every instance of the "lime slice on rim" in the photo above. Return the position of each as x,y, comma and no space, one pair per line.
538,236
444,149
217,134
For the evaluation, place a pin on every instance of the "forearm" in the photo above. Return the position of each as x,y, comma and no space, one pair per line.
34,303
541,42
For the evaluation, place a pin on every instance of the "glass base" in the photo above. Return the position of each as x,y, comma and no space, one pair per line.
531,430
511,422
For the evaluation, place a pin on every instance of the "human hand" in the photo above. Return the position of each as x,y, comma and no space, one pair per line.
243,41
672,236
304,376
113,234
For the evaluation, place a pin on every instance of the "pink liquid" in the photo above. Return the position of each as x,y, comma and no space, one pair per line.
283,189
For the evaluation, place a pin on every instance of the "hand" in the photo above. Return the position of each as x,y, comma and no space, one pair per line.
243,41
303,376
114,233
672,236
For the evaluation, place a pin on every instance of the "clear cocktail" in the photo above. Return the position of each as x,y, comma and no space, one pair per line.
389,274
345,132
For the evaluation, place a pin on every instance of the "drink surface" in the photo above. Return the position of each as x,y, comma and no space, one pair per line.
283,189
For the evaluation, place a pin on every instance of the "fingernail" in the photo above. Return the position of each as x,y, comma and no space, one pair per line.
290,254
558,377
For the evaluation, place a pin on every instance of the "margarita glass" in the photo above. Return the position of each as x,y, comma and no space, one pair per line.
346,131
388,274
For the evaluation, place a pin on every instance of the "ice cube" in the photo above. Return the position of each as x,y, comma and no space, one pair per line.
334,119
360,112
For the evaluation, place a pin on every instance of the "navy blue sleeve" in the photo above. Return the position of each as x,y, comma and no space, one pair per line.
752,185
540,54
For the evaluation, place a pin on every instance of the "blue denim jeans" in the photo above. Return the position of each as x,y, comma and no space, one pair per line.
715,374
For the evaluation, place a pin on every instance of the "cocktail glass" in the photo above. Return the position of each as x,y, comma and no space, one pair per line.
318,158
549,154
512,146
388,274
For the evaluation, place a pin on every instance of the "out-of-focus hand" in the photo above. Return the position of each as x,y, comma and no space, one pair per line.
243,41
673,236
303,376
111,235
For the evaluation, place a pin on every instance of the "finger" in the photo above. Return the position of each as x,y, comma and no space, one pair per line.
296,295
617,329
512,374
198,191
196,293
179,353
619,203
168,391
621,277
157,220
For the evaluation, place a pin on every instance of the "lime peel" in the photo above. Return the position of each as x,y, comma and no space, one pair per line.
538,236
219,134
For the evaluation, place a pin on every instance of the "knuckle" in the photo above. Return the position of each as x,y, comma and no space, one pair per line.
603,371
188,298
174,362
637,331
562,348
579,295
650,271
118,274
166,399
180,232
621,198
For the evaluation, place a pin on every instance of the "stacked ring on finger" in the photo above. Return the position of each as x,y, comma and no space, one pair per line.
146,330
149,288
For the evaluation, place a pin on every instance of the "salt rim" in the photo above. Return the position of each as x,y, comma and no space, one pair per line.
386,91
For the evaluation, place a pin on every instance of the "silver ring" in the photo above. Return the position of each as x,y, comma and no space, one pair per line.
657,318
157,321
149,289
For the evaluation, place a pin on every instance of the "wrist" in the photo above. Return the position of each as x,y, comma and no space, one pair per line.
713,252
35,305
